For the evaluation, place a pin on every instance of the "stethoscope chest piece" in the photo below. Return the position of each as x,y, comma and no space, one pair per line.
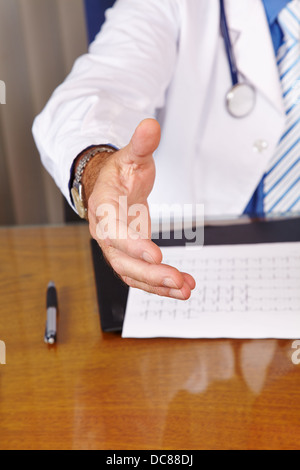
240,100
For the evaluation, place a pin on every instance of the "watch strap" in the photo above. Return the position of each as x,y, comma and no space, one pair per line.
87,157
77,188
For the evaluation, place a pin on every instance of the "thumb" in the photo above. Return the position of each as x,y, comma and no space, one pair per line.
144,142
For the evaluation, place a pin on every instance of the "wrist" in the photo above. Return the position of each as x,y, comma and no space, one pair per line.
91,174
87,167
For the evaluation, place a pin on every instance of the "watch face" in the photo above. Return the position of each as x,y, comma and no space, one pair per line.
78,203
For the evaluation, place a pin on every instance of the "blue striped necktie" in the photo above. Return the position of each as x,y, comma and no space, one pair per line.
282,180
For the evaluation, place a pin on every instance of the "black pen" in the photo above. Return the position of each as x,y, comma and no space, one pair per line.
52,308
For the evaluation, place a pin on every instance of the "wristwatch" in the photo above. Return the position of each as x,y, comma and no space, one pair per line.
77,188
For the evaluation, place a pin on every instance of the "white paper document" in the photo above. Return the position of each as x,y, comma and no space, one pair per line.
243,291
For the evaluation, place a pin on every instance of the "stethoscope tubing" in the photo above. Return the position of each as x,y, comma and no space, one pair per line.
228,45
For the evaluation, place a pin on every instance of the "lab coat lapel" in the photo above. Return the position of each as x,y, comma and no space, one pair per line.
253,48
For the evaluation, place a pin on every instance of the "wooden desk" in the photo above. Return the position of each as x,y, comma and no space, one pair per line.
98,391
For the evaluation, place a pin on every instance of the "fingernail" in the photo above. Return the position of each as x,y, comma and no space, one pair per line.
148,258
169,282
177,294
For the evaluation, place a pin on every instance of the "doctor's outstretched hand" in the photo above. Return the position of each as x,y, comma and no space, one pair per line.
114,184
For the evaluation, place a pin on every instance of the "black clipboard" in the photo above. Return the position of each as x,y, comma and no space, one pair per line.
112,293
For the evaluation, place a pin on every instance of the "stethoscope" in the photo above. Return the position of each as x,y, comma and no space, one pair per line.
241,98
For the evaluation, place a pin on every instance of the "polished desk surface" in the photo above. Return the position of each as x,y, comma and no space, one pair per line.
99,391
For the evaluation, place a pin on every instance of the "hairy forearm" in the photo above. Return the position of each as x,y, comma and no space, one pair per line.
91,173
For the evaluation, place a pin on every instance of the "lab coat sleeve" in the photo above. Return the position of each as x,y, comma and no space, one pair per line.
120,81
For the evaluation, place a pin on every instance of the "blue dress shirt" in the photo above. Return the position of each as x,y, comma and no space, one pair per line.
273,8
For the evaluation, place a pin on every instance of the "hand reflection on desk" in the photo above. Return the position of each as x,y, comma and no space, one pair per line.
216,361
181,394
215,389
219,363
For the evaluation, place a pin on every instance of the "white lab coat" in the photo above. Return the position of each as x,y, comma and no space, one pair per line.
166,59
